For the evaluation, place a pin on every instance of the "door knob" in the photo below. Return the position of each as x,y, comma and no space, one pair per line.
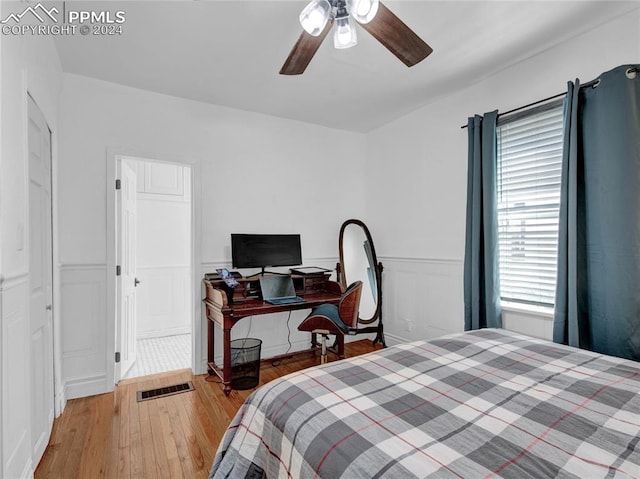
136,282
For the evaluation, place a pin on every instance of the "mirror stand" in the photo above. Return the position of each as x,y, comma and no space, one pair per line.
358,262
378,328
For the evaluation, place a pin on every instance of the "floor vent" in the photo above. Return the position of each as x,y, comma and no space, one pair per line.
165,391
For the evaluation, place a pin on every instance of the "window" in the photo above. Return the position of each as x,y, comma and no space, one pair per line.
528,189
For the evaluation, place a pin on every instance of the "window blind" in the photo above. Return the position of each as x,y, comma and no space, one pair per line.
528,197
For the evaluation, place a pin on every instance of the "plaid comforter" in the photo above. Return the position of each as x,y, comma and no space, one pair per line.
482,404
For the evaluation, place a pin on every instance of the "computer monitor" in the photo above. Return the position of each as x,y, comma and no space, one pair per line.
263,250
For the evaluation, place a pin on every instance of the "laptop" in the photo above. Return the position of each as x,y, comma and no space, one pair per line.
278,289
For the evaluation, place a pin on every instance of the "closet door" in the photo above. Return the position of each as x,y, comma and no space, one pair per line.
40,282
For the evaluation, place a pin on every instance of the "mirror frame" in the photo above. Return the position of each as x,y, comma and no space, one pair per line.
377,267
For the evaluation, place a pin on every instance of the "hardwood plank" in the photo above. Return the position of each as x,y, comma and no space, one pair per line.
149,468
174,468
135,434
182,448
114,436
123,434
79,431
93,460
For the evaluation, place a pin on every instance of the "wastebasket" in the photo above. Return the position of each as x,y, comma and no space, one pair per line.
245,363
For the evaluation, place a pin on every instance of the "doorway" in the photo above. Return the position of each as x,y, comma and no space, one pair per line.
154,253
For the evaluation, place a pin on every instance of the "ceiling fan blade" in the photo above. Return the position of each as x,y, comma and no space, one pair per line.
303,51
397,37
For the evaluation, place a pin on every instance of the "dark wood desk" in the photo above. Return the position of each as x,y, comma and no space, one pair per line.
225,308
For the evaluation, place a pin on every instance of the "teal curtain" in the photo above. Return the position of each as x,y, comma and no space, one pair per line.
598,285
481,282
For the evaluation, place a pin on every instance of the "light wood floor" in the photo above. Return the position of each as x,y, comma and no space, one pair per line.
114,436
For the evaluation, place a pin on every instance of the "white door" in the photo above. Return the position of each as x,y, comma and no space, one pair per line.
40,281
126,258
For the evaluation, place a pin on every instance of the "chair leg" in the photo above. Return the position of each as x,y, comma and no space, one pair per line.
340,341
323,337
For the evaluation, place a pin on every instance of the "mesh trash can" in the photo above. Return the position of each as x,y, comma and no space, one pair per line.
245,363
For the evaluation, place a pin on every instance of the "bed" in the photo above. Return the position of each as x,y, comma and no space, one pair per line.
482,404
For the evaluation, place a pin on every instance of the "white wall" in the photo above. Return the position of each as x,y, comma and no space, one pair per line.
416,178
258,174
163,249
26,64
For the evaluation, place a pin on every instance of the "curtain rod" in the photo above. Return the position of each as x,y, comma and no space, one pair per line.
592,83
527,106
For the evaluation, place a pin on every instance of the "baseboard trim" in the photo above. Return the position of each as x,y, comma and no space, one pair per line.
78,388
61,401
393,339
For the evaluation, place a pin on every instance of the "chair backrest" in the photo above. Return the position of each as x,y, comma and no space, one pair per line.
350,304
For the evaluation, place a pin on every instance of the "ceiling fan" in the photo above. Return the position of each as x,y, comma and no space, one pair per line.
319,16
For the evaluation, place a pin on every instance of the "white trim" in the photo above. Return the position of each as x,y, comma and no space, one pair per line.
423,260
60,400
13,280
82,266
83,387
542,311
393,339
198,325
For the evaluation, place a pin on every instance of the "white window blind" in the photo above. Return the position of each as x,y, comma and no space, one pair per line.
529,169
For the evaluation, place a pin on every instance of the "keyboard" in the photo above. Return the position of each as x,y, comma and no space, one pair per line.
295,299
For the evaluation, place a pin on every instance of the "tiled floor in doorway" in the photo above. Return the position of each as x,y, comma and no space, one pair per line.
158,355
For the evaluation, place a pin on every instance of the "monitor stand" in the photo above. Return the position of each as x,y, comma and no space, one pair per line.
263,271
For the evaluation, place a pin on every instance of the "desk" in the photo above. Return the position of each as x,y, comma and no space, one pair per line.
225,308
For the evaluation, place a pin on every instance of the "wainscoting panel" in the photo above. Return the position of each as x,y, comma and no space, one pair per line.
163,301
530,321
422,298
84,330
16,408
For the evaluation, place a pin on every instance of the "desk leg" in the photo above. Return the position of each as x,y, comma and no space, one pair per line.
210,352
226,360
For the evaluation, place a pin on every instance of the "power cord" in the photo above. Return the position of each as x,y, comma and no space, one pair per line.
250,324
278,362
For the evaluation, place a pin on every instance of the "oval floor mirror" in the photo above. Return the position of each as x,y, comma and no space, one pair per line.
358,262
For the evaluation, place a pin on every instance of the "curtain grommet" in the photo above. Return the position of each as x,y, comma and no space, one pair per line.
631,73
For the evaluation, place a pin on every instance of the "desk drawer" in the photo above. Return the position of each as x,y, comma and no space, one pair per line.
314,284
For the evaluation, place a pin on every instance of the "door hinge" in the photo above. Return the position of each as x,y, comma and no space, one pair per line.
118,270
118,357
118,184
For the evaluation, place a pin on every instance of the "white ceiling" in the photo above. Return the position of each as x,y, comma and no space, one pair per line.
229,53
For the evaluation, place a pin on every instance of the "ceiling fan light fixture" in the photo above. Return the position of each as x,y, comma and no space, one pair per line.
363,10
344,34
315,16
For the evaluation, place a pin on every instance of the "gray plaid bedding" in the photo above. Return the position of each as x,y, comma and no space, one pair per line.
482,404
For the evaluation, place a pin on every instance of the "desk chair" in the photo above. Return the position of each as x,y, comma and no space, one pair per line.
334,319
